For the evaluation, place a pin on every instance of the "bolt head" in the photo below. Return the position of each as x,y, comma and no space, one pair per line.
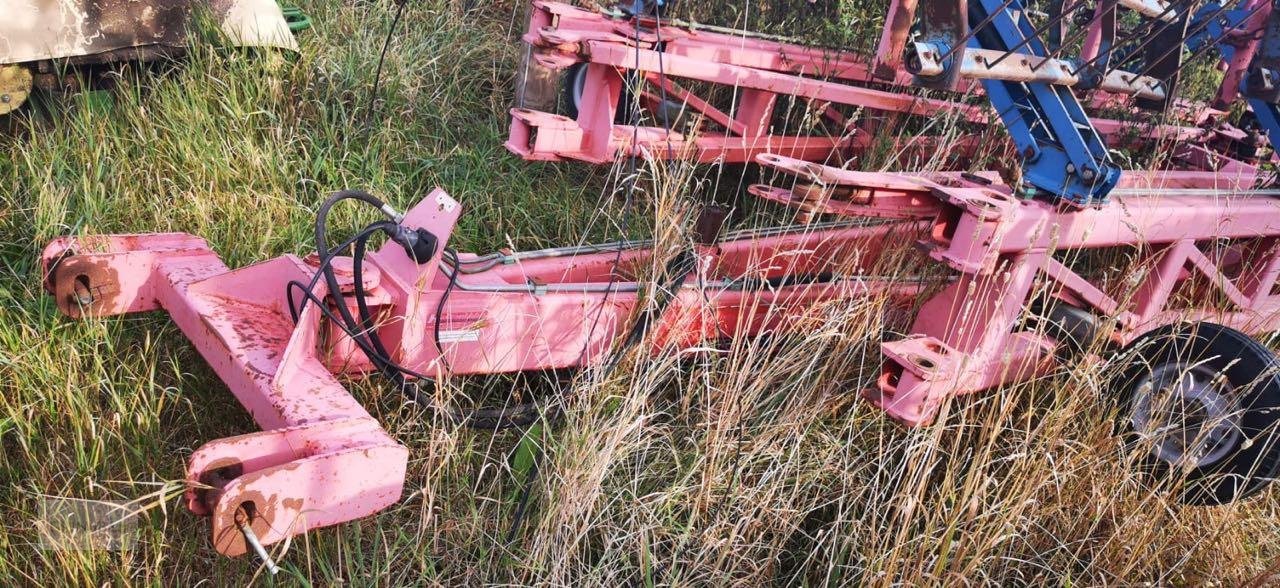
5,98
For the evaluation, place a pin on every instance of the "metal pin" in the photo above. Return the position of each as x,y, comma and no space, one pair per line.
252,539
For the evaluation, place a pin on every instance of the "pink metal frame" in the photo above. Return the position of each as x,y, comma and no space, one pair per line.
296,474
549,311
758,73
1210,246
967,339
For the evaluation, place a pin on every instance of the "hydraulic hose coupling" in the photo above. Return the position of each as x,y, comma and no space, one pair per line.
419,244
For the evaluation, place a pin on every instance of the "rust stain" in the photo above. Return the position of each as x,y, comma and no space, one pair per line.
217,475
85,286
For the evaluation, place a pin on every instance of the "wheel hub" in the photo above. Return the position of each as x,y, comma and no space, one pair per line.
1189,412
15,86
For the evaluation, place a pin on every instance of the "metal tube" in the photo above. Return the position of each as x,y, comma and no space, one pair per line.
1035,34
570,250
1084,30
252,539
973,31
1148,40
1202,50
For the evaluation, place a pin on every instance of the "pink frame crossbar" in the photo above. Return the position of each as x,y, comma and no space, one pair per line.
759,72
549,310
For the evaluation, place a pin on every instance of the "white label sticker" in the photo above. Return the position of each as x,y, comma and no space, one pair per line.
459,336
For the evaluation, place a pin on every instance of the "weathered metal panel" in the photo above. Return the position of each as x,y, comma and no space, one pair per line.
33,30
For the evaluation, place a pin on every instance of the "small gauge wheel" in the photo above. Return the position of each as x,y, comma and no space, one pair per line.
1200,403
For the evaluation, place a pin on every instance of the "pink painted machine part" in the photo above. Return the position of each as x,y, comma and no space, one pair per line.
759,72
536,314
967,337
1207,238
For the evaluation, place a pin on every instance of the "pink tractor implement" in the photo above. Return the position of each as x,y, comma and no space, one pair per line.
730,85
1205,239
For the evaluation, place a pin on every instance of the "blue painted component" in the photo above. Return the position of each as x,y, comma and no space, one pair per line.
1062,154
1266,113
1208,28
1268,116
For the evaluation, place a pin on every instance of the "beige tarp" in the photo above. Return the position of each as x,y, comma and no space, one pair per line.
32,30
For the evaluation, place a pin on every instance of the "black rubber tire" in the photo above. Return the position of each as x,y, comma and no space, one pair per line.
569,95
1074,328
1249,367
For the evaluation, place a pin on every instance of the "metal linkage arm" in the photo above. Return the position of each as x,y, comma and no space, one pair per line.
1261,84
320,458
1248,40
973,335
1062,154
292,476
989,64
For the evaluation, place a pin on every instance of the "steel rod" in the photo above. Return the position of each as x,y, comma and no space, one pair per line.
1214,43
1035,34
1075,36
1164,26
973,31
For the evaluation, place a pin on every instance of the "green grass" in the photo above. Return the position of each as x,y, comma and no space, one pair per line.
757,465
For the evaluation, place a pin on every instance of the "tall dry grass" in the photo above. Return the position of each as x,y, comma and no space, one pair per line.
740,464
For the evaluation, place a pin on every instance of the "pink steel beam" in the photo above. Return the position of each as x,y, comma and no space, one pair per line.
893,39
775,83
294,473
566,28
321,459
758,71
969,337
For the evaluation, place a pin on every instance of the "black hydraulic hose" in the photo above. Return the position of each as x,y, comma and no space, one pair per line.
331,278
335,319
382,56
295,310
366,325
453,283
518,415
363,331
371,346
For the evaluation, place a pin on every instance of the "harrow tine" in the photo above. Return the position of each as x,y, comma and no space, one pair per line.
1035,34
1151,37
1076,36
1213,43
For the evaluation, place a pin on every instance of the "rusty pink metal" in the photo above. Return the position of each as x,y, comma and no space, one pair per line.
970,336
296,474
681,61
757,71
1208,241
549,310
